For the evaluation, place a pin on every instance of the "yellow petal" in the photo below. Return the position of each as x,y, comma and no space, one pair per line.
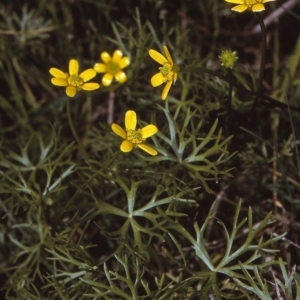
130,120
166,90
107,79
121,77
157,57
59,81
169,58
118,130
126,146
157,79
73,67
240,8
236,1
105,57
100,68
258,7
147,149
124,62
71,91
58,73
87,74
117,56
90,86
148,131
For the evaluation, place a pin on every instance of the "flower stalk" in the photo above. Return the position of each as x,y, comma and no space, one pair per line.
262,61
74,132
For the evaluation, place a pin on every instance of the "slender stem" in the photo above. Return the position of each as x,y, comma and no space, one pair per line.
112,159
203,70
74,131
295,138
230,86
241,88
110,107
262,61
13,87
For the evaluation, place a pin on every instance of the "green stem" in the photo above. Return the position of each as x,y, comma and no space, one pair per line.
230,86
241,88
112,159
74,130
262,61
13,86
203,70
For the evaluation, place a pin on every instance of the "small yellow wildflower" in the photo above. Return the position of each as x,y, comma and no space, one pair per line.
167,73
228,58
132,137
254,5
112,67
72,81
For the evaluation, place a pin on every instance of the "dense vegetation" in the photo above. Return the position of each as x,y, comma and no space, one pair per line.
202,204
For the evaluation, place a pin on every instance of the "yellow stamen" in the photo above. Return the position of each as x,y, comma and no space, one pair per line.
113,68
134,136
75,80
167,71
250,3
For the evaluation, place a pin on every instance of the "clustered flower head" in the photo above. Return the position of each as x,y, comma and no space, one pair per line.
254,5
73,81
167,73
228,58
112,67
134,137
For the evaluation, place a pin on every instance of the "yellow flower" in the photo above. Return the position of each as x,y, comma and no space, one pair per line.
72,81
112,67
132,137
254,5
228,58
167,73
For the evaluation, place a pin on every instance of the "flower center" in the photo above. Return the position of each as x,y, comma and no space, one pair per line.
249,3
75,80
113,68
135,136
167,71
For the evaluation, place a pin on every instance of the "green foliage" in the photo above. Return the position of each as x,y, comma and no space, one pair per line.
214,215
192,151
